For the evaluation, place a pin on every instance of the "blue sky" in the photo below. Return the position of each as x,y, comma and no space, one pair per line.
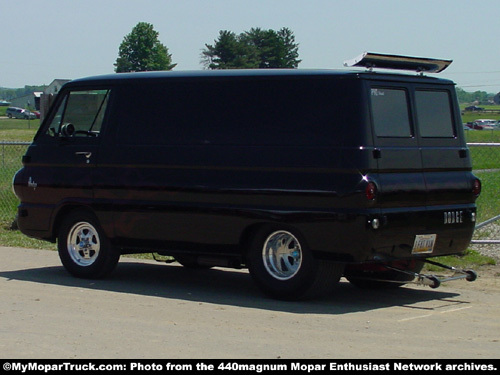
44,40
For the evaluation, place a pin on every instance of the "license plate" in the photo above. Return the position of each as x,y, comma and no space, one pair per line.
424,244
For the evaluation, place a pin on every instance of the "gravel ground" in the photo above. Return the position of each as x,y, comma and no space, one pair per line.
488,232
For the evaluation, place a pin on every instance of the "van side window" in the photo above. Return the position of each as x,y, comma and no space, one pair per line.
434,114
390,112
80,114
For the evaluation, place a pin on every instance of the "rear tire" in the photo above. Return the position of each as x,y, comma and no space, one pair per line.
284,268
83,248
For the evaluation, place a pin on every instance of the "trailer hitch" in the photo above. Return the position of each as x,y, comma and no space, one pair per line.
434,281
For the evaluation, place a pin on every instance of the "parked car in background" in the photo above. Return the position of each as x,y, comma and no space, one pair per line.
486,124
474,108
473,125
14,112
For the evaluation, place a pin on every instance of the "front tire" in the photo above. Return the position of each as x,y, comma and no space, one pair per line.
284,268
83,248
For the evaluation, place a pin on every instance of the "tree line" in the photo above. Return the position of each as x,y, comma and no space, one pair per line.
481,97
9,94
254,49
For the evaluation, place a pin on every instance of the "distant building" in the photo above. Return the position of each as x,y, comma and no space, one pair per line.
31,101
496,99
55,86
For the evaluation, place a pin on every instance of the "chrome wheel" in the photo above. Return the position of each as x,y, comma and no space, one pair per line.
282,255
283,266
83,247
83,244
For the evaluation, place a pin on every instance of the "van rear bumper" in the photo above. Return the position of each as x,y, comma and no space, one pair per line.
449,230
398,233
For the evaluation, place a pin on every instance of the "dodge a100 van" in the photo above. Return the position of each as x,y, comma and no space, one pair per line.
303,176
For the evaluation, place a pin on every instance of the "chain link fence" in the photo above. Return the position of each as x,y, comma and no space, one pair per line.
486,165
11,154
485,161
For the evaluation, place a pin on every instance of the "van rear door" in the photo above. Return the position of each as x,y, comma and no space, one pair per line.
401,180
420,148
424,174
445,158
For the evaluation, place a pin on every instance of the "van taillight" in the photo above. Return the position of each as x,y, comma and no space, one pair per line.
476,188
371,191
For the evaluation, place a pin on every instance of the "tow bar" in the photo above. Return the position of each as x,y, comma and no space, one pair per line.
433,281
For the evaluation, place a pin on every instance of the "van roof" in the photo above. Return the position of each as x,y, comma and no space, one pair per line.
247,73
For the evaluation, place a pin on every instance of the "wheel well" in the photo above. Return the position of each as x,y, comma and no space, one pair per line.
64,211
246,237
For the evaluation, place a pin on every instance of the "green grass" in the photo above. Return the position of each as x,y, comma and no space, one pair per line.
488,203
15,238
18,130
470,259
471,116
482,136
491,107
485,157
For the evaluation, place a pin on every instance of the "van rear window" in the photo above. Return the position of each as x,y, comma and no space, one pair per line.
434,115
390,112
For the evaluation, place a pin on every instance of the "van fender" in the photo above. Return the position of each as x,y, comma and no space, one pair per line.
67,206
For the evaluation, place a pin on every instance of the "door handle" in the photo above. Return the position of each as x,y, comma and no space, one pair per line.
87,155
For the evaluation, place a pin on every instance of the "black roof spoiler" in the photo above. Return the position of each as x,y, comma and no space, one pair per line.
418,64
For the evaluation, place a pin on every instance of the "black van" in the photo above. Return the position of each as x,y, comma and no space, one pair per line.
303,176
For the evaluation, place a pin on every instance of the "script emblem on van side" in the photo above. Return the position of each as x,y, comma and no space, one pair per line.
32,184
453,217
